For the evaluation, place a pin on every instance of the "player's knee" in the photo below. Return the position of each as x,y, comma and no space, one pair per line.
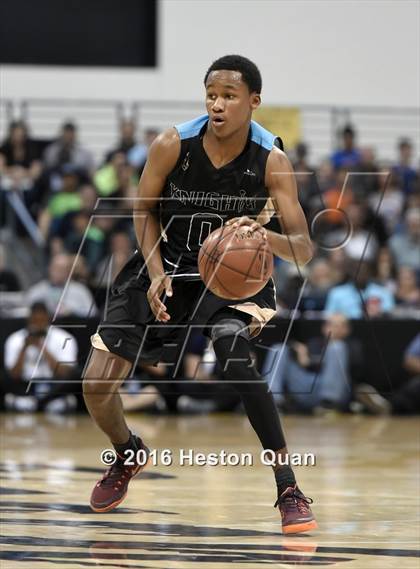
229,327
231,345
104,373
93,383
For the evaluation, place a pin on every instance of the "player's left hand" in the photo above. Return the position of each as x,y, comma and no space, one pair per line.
245,221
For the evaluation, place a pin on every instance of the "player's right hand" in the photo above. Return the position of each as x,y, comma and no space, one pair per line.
158,286
245,221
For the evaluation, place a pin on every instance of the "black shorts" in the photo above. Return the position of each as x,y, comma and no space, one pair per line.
130,330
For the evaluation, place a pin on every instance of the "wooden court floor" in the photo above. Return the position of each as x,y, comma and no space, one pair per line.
365,487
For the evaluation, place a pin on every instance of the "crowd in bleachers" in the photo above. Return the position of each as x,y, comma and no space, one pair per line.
364,216
367,234
358,207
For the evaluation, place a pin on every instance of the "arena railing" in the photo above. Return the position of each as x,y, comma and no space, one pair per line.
98,119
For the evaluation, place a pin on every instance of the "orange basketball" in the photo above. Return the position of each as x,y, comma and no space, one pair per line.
235,263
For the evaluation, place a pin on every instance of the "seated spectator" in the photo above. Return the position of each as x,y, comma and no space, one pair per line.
316,376
106,178
362,240
80,270
127,180
405,245
385,273
65,201
338,262
20,164
93,239
404,400
320,280
137,155
9,282
348,157
305,175
62,295
107,222
121,248
89,197
288,280
348,298
405,173
326,176
117,179
335,197
408,292
68,199
126,142
20,172
366,181
40,353
150,135
63,225
67,150
388,202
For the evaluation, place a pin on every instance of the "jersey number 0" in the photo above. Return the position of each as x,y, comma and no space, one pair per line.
201,225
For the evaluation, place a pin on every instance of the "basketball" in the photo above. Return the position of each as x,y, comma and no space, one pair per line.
235,263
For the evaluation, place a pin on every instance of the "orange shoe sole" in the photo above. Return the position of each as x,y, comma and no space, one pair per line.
118,502
110,506
300,528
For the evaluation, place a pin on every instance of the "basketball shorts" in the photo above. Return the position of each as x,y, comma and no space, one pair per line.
130,330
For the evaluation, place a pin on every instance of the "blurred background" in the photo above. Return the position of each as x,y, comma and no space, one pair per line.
85,89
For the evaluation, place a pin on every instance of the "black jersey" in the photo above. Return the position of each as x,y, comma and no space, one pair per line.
199,198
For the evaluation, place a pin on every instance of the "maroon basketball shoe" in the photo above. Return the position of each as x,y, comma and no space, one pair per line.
111,490
296,514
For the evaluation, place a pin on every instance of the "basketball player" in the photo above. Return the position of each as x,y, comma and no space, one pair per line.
217,169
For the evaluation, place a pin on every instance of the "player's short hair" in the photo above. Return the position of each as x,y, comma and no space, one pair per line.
250,73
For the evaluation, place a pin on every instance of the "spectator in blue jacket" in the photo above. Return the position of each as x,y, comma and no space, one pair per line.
348,298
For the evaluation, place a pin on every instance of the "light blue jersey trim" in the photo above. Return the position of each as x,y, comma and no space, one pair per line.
259,135
191,128
262,136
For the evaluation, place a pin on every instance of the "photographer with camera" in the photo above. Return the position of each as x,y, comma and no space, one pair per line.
39,353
